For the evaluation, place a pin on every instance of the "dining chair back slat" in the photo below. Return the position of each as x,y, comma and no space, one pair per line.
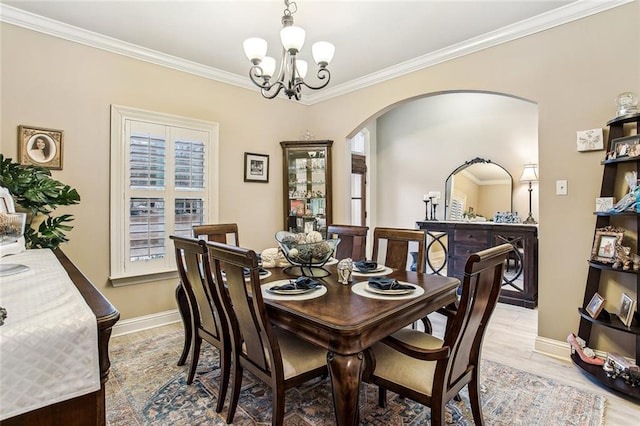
353,241
218,232
397,242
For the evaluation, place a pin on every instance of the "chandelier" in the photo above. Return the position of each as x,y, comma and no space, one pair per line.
292,72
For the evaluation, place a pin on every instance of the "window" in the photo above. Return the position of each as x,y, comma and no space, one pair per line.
164,180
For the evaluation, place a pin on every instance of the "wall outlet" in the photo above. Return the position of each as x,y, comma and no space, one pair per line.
561,187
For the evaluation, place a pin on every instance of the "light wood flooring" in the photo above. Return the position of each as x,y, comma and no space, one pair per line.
510,340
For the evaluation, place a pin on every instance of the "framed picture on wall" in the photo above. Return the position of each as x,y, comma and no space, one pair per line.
40,147
590,140
256,167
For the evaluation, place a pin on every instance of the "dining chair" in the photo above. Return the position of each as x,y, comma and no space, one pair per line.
219,232
207,320
396,254
277,357
353,241
431,371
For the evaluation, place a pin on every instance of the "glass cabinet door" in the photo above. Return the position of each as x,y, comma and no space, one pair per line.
307,185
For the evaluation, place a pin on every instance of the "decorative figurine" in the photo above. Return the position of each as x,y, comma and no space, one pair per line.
623,257
345,269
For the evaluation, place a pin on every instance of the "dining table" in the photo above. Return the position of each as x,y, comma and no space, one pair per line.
346,319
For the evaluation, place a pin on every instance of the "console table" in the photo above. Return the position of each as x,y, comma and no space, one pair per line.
82,408
457,240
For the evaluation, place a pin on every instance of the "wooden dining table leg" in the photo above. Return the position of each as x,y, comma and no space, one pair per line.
346,376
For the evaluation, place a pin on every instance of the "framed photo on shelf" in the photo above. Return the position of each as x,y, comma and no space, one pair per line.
627,308
595,305
40,147
256,167
604,244
626,147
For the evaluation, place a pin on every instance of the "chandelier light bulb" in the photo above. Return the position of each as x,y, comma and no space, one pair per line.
268,66
323,52
301,68
292,38
255,48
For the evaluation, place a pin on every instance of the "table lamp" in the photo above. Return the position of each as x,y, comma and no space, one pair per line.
530,174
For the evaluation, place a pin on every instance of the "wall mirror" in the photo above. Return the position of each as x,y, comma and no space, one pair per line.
478,187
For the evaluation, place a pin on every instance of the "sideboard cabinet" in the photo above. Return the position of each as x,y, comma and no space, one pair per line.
452,242
307,185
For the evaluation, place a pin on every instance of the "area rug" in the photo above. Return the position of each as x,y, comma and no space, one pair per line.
146,387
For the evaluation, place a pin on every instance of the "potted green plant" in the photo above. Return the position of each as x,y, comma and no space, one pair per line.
37,193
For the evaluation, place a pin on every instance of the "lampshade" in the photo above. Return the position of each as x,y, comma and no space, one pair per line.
268,66
301,68
292,38
255,48
322,52
529,173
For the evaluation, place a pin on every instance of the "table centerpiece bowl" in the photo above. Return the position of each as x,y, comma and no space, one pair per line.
307,253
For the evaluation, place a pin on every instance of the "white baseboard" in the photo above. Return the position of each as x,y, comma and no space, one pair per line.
553,348
145,322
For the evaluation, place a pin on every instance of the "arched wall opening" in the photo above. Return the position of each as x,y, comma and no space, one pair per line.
416,143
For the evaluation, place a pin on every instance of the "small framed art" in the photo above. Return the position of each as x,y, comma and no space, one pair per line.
590,140
40,147
627,308
604,244
595,305
256,167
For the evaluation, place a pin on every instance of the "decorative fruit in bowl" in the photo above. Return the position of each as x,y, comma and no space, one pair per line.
306,249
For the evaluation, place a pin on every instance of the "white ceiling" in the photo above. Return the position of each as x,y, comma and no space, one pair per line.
375,40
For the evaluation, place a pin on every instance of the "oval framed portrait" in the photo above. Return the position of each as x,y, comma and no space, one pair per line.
40,147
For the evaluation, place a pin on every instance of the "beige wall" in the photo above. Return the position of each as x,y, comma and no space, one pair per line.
48,82
572,72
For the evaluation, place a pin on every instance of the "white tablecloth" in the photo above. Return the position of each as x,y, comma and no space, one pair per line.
49,341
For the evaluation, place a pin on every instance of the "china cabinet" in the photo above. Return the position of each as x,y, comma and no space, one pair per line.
307,185
614,171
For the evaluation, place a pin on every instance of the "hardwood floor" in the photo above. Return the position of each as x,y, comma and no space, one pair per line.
510,341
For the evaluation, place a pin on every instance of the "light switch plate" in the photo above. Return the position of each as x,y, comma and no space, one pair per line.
561,187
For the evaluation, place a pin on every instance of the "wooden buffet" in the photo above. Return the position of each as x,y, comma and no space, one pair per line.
88,409
457,240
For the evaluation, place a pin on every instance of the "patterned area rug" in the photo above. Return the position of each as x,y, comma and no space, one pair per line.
146,387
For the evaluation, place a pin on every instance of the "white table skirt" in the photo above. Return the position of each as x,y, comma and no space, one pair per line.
49,341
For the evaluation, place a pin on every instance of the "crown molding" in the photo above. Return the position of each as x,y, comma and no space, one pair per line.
571,12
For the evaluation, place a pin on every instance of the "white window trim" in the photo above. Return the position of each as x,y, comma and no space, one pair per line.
118,205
